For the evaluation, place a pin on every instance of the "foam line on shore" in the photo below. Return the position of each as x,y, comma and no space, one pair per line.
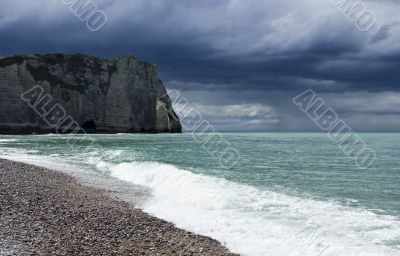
247,220
255,222
46,212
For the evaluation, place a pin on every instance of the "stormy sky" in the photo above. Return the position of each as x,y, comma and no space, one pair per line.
240,62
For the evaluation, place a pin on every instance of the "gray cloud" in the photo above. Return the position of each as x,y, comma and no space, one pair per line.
234,52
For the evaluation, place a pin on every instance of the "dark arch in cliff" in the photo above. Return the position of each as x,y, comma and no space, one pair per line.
89,125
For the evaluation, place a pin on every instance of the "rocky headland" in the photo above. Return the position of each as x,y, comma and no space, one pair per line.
101,95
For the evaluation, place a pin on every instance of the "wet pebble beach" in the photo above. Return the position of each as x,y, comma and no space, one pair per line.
45,212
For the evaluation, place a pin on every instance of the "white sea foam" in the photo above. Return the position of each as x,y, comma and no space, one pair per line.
254,222
247,220
52,161
6,141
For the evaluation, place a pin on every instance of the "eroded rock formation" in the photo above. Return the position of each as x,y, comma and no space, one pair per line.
102,95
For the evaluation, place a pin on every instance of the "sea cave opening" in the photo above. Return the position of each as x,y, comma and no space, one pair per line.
89,125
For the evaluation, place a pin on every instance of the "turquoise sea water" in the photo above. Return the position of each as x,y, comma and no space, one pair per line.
289,194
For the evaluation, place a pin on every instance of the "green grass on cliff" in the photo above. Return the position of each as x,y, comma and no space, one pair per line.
57,58
19,58
9,60
48,57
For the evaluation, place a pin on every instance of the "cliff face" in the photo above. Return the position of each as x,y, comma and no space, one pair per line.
102,95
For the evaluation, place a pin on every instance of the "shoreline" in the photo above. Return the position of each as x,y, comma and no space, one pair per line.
44,211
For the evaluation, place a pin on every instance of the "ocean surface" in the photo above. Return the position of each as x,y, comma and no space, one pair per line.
289,194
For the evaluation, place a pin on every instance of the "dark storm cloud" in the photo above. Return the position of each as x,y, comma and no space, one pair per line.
226,47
